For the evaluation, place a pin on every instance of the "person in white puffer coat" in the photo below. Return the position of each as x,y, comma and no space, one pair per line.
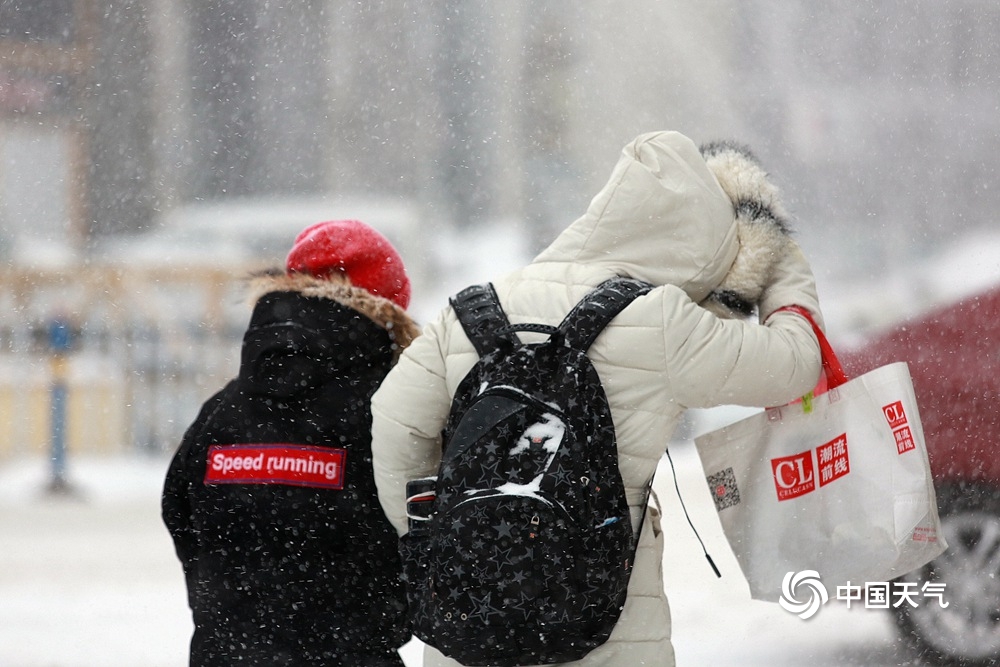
706,228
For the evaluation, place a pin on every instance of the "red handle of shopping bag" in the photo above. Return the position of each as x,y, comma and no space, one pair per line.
835,375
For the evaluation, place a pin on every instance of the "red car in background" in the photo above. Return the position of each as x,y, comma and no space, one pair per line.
953,354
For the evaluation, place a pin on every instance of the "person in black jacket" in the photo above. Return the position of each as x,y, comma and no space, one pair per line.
270,499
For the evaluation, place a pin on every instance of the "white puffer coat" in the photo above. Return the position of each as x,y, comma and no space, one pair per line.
665,218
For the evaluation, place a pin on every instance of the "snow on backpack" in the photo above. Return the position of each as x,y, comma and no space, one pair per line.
523,552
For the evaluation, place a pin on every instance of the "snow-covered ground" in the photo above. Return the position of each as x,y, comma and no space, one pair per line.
91,580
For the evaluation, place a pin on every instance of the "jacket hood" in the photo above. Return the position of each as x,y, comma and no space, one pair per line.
338,288
762,227
307,332
668,215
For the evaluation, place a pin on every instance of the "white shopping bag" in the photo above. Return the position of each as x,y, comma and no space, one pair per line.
837,483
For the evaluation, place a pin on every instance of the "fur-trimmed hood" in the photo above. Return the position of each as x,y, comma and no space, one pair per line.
761,224
705,220
383,312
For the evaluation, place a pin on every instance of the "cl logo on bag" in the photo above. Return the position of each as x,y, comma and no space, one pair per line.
894,414
794,475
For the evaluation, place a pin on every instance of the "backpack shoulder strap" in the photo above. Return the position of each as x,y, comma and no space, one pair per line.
478,310
589,317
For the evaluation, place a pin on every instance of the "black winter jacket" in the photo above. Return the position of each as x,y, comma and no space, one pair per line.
270,499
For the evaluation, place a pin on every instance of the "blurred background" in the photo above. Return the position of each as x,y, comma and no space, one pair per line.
154,152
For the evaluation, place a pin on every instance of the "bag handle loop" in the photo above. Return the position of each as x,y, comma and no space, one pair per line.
835,375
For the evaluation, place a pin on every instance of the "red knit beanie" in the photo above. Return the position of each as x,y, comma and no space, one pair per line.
356,250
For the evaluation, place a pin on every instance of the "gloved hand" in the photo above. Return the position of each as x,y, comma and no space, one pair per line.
791,284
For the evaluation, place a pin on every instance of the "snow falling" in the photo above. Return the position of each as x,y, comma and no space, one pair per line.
153,154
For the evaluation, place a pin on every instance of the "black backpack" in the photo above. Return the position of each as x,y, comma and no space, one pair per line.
524,555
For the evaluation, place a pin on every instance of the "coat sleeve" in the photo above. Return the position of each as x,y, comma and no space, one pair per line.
175,503
732,362
409,411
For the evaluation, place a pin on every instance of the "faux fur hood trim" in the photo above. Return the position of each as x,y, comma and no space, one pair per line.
383,312
762,226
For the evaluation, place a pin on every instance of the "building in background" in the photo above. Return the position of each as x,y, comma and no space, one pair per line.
879,117
477,111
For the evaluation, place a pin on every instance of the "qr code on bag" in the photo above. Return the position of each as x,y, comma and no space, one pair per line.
725,493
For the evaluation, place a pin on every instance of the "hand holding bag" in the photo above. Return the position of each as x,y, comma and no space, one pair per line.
837,482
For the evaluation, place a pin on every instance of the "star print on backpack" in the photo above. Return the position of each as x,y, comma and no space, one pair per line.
520,550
